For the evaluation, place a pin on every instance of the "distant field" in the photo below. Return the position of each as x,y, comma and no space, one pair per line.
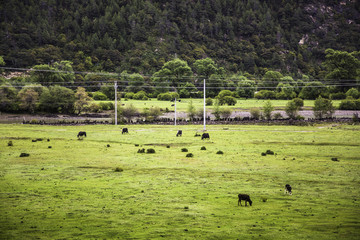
72,191
242,104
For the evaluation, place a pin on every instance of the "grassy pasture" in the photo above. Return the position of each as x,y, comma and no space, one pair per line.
72,191
242,104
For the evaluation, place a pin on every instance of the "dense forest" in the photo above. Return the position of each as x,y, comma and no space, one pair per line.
54,52
251,36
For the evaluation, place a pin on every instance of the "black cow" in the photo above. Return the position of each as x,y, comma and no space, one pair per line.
80,134
288,189
205,135
244,197
179,133
124,130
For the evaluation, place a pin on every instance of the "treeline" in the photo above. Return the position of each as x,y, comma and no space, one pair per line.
247,36
55,87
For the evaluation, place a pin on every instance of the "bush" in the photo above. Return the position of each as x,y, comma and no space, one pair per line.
349,104
231,101
337,96
118,169
353,92
99,96
278,116
24,155
141,95
298,102
263,154
184,150
129,95
94,107
189,155
164,97
265,94
150,150
269,152
292,109
323,108
141,150
106,106
208,102
219,152
255,113
203,148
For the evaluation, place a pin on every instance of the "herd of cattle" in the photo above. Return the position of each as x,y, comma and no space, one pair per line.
244,197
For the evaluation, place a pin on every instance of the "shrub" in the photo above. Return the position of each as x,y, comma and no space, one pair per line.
229,100
189,155
337,96
292,108
268,108
269,152
255,113
278,116
150,150
168,146
323,108
353,92
164,97
265,94
334,159
141,150
99,96
118,169
298,102
208,102
129,95
141,95
184,150
203,148
94,107
24,155
219,152
349,104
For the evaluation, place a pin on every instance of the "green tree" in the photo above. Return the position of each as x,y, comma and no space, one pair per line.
267,109
323,108
28,98
292,109
136,83
270,80
8,99
342,67
57,99
174,73
312,90
246,88
82,102
191,111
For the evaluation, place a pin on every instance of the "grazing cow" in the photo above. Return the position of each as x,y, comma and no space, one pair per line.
288,189
124,130
80,134
179,133
205,135
244,197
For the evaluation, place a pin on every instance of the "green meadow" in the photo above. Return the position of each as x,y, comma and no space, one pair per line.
100,187
242,104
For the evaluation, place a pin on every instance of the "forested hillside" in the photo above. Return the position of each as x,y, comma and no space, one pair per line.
140,36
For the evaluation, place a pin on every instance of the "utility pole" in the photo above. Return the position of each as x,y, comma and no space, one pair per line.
175,111
204,107
115,86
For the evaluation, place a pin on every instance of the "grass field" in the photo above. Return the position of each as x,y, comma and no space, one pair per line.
242,104
72,191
